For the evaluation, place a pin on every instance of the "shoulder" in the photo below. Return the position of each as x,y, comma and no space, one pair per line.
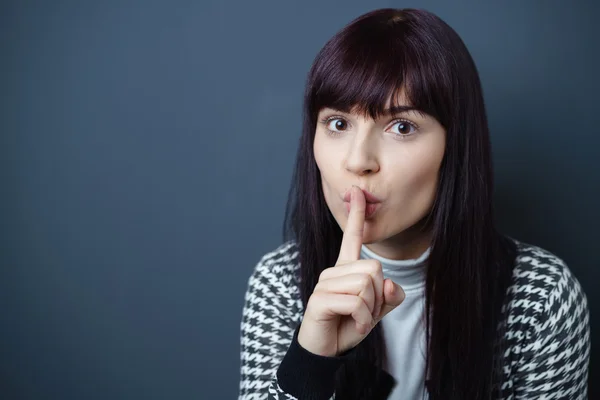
543,289
280,264
275,279
538,272
538,268
547,322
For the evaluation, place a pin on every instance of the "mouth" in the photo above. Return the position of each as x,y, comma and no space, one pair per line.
369,197
372,205
370,208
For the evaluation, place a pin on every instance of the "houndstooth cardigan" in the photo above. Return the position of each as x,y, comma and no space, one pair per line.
547,333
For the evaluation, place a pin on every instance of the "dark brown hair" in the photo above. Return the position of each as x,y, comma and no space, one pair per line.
470,263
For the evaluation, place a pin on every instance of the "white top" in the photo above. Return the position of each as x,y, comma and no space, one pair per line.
404,327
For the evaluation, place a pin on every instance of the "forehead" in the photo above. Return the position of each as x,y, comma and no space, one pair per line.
399,99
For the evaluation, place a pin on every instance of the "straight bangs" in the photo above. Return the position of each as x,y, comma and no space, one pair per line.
375,58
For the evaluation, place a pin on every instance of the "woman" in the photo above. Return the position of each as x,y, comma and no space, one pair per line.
390,221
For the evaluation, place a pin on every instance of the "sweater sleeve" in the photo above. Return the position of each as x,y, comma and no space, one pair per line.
271,316
554,364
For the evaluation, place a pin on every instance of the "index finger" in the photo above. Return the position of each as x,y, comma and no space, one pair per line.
353,234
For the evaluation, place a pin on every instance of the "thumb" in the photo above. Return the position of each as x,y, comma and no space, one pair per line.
393,296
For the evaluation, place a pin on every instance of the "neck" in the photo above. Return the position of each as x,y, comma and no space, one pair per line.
408,273
407,245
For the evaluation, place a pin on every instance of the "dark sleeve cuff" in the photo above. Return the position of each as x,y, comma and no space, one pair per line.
306,375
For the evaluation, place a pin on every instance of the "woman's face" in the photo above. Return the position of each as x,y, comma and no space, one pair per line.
396,158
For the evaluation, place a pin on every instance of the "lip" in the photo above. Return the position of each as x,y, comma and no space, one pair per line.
369,197
370,208
372,205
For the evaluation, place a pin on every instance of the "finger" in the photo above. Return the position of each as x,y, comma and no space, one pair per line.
353,234
371,267
360,284
393,297
326,306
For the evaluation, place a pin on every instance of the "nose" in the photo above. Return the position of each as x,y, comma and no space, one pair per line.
362,158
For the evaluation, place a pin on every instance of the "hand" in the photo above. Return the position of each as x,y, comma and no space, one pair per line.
351,297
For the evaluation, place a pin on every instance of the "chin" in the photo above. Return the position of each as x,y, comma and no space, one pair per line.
370,234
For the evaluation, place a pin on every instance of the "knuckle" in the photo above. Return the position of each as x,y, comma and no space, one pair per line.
324,274
358,303
364,281
318,288
358,232
314,300
313,306
318,297
374,266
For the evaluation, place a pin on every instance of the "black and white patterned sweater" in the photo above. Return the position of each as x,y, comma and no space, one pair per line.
547,319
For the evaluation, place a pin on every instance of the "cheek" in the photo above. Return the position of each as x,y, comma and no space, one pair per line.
418,184
319,151
327,159
425,177
424,187
325,166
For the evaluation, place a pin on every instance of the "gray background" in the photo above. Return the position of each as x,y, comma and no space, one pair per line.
146,151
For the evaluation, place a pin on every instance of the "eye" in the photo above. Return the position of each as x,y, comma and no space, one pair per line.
336,124
405,128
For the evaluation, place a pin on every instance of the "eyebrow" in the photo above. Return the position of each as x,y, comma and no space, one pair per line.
393,110
400,109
